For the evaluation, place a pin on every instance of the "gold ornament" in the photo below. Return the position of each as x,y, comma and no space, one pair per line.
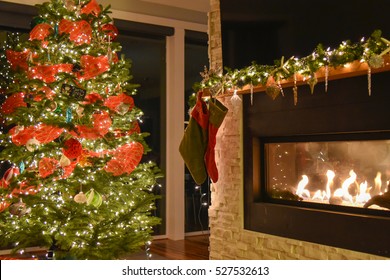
80,198
272,91
64,161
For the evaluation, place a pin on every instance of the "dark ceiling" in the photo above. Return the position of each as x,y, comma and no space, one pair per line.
266,30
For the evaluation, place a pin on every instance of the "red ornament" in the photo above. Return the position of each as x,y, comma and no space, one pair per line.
91,8
93,66
11,172
12,102
72,148
18,60
47,73
114,102
126,158
40,31
47,166
111,31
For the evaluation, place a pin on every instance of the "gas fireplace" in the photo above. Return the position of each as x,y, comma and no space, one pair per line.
319,171
347,173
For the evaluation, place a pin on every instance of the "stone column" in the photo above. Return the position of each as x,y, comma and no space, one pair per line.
215,37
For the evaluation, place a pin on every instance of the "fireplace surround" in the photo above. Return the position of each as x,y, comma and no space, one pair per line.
344,114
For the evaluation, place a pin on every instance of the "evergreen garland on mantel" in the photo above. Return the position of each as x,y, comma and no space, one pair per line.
370,51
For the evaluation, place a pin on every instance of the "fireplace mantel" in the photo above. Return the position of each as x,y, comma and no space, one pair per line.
353,69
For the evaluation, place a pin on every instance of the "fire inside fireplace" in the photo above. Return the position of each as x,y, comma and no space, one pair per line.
346,173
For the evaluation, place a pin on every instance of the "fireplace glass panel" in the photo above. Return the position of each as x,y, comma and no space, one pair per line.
346,173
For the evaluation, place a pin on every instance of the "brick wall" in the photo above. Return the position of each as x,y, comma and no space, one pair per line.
228,239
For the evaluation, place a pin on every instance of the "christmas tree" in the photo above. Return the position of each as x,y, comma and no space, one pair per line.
77,182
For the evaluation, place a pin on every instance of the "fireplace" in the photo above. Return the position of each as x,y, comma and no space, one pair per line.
319,171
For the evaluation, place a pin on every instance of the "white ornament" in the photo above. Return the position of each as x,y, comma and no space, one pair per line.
80,111
236,101
32,144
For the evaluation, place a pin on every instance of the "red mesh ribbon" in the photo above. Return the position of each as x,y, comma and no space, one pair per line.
4,205
101,125
18,60
125,159
40,31
47,166
47,133
92,97
44,92
42,132
12,102
68,170
47,73
91,8
93,66
113,102
25,189
22,188
79,32
65,26
134,129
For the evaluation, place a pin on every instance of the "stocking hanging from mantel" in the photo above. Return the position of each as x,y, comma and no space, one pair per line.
199,140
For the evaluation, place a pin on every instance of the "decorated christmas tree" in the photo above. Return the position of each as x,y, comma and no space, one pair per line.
77,182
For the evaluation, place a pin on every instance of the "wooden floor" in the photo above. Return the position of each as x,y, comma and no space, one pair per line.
191,248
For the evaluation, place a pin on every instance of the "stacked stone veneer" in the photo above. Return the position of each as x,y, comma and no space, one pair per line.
215,41
228,238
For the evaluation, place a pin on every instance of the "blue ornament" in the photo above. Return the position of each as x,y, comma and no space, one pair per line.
69,115
21,167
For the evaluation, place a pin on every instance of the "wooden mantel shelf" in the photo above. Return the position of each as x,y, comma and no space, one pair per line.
353,69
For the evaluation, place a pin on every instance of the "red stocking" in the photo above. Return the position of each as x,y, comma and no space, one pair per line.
217,114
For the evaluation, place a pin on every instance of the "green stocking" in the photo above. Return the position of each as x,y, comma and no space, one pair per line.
194,143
